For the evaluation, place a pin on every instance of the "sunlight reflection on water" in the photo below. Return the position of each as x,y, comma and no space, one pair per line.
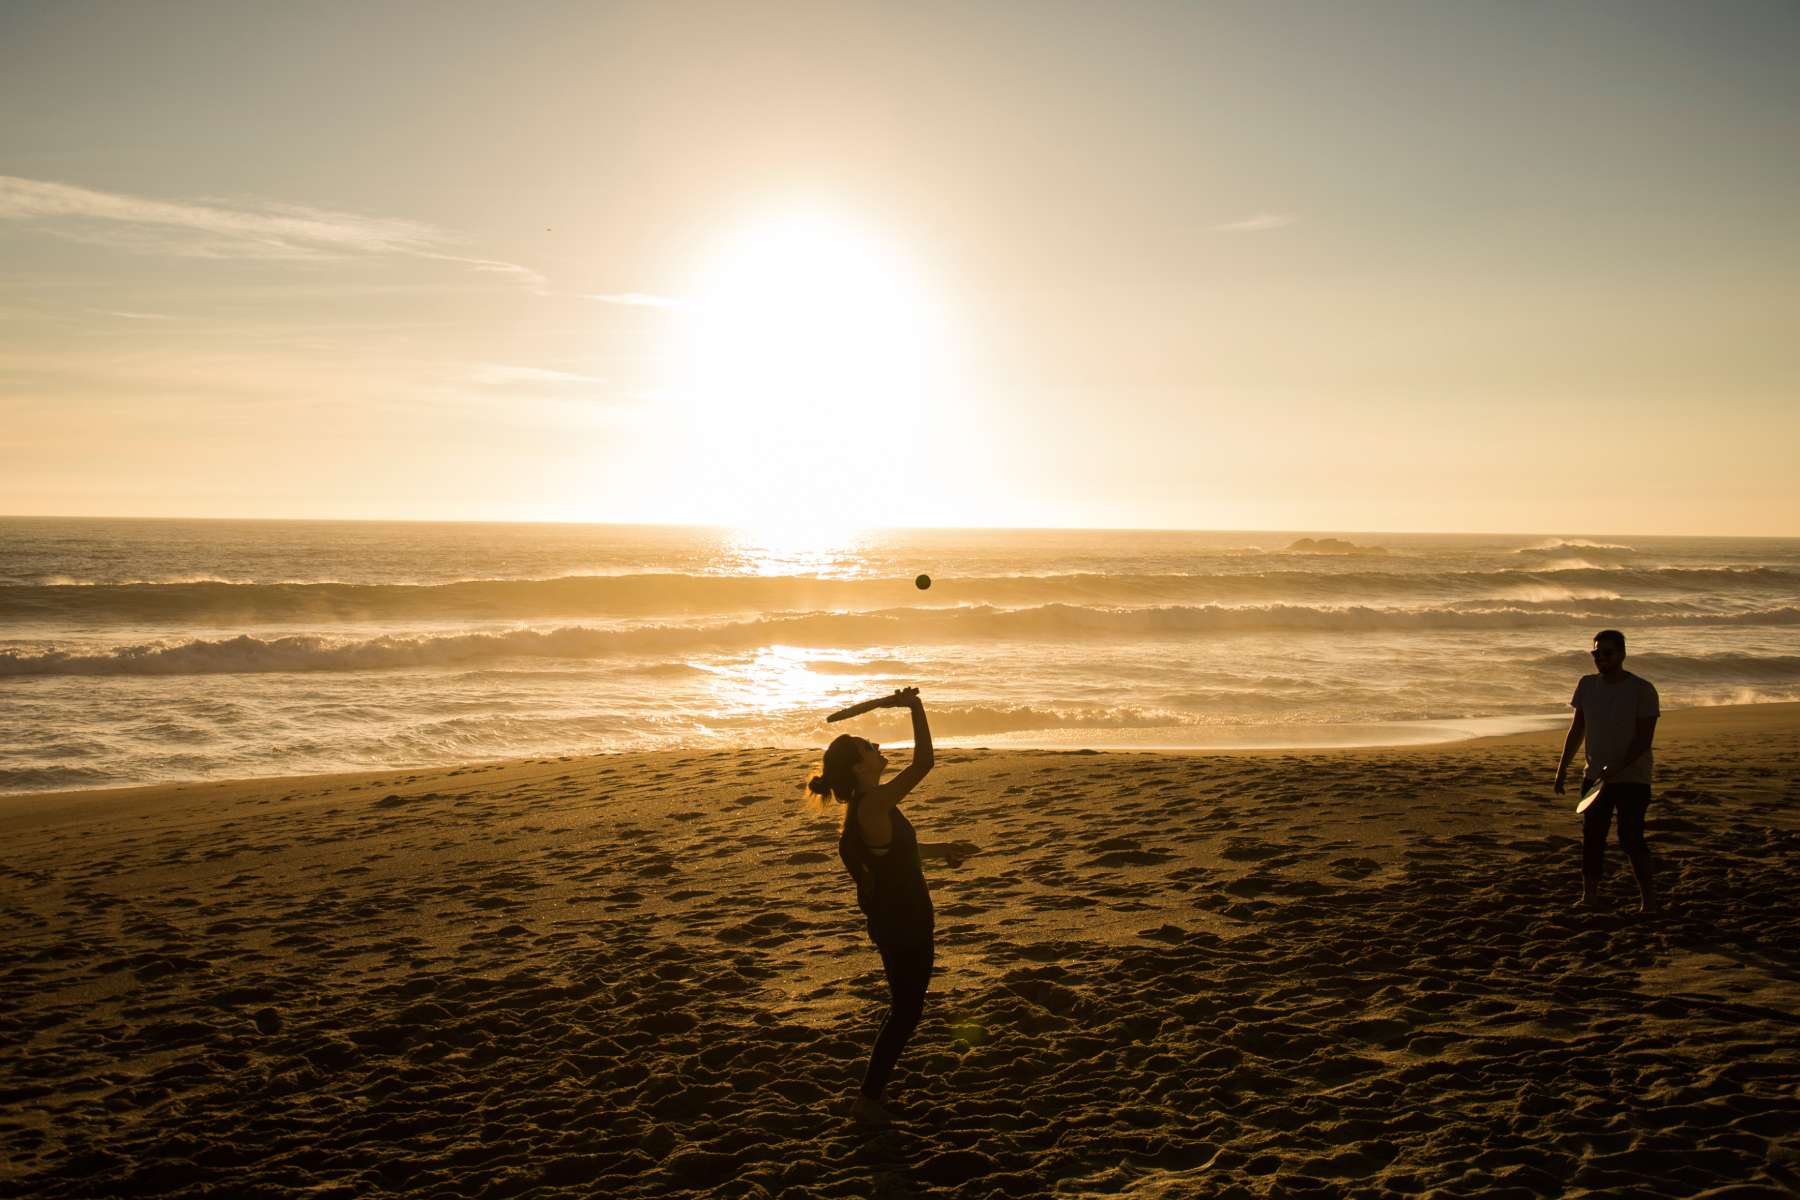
825,550
775,679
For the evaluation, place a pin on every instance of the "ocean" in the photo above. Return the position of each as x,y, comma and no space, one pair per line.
147,651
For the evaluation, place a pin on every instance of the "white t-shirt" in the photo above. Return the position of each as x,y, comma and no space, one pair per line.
1612,711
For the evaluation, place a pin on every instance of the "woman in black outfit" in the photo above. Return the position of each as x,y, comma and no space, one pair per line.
883,855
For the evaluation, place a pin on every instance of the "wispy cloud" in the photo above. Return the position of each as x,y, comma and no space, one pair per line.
130,316
1259,223
228,229
639,300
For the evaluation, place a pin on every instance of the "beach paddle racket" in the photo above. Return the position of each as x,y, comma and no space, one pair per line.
1591,795
857,710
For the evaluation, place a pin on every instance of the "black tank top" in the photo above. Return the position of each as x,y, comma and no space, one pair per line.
890,888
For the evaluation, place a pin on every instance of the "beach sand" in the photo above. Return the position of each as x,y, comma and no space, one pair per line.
1276,973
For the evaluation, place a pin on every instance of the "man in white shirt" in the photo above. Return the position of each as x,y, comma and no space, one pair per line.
1615,718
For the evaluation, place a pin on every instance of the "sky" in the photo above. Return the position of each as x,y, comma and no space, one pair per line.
1515,266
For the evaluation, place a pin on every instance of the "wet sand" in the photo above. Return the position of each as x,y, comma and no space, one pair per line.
1338,973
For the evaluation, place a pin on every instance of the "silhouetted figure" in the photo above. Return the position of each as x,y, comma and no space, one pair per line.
1615,716
883,855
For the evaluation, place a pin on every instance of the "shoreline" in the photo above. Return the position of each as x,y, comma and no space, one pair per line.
1675,723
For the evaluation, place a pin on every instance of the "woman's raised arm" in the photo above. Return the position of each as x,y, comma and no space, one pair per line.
891,792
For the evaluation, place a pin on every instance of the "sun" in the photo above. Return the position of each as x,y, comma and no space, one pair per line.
812,354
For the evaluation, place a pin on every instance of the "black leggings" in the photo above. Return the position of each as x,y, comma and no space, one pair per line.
909,974
1631,800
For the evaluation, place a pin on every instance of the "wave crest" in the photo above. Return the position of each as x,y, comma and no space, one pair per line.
1573,545
247,654
675,596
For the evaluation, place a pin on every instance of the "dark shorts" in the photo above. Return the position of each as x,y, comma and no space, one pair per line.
1631,801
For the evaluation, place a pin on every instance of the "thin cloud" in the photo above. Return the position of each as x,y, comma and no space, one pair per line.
227,229
639,300
1260,223
130,316
488,264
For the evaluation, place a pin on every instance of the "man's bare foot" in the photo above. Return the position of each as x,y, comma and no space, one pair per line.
865,1111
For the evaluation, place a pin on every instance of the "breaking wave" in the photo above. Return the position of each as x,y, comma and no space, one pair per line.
674,596
978,720
1567,545
247,653
1682,669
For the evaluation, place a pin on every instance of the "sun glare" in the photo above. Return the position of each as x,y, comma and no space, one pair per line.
808,366
815,548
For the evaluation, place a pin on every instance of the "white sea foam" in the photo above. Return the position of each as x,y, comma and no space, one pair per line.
1547,593
1560,545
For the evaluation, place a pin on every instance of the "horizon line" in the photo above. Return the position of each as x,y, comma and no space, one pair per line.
897,528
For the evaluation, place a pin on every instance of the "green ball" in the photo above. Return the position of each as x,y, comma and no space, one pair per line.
923,582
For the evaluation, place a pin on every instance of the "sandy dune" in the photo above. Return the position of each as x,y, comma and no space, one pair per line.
1284,974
